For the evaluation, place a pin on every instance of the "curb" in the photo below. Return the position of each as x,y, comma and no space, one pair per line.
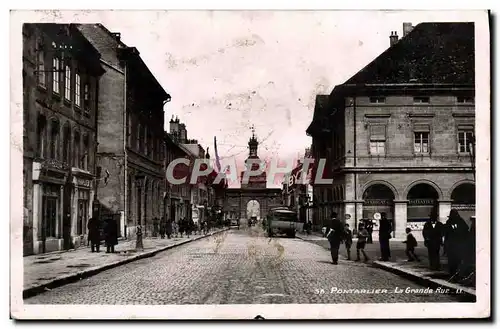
73,277
467,294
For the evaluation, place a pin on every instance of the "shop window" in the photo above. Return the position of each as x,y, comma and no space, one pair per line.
377,139
83,212
465,139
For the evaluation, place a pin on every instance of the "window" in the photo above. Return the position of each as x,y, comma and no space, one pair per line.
421,100
54,140
465,139
465,100
76,150
421,144
377,100
66,145
377,139
85,157
41,67
86,99
67,83
56,70
41,126
78,100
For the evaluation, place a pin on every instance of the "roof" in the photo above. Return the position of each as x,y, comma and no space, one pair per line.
432,53
320,112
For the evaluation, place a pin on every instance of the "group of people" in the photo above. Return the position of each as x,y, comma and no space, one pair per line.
457,238
110,232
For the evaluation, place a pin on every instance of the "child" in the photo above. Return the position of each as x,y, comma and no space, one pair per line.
411,243
360,246
348,241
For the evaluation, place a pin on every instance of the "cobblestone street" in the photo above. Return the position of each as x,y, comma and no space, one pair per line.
239,267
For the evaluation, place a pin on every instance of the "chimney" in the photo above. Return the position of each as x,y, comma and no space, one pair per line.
407,27
393,38
117,36
174,126
182,132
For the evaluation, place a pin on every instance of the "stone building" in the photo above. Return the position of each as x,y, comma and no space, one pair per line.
399,134
61,70
177,198
253,196
130,132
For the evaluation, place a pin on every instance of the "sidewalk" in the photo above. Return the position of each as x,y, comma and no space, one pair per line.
47,271
415,271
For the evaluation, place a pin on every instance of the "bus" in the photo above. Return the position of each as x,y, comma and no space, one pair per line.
282,220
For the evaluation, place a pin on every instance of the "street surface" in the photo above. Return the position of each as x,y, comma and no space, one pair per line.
241,267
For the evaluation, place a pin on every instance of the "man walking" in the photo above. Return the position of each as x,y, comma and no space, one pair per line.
433,233
335,234
384,235
94,234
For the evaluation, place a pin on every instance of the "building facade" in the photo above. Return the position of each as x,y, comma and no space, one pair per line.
253,198
131,147
399,134
61,72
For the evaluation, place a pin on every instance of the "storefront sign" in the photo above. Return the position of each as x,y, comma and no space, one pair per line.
422,202
83,182
377,202
463,206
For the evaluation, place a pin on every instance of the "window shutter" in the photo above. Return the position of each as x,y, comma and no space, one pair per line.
377,132
423,128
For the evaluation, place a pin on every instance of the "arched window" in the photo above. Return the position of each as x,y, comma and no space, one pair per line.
54,140
76,150
41,133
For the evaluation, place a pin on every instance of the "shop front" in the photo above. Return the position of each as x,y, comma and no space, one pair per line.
378,199
48,194
422,200
463,199
82,207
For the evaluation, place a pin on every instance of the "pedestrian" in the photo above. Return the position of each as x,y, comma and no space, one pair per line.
162,228
182,226
384,235
348,240
168,228
111,235
456,233
335,235
369,229
360,245
411,243
433,233
94,235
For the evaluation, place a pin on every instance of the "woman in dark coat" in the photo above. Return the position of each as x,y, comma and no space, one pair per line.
168,228
111,235
456,234
94,234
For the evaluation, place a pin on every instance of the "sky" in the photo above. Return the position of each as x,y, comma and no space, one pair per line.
229,70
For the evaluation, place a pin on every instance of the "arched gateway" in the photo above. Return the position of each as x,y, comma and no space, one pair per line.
255,191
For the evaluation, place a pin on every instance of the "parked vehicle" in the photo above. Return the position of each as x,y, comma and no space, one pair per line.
283,221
